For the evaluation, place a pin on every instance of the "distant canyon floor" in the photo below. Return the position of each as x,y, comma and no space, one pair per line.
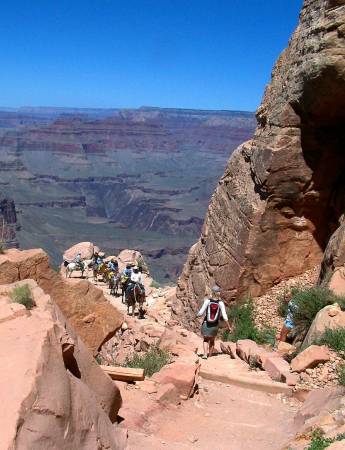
120,178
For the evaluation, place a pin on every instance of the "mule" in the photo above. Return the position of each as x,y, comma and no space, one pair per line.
114,283
135,294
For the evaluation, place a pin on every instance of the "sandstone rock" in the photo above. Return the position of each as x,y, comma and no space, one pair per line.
291,379
86,249
269,216
229,348
182,376
246,348
319,403
77,299
284,348
310,357
340,445
276,367
148,386
168,393
60,396
330,316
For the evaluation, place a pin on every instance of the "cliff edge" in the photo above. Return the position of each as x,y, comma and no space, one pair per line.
282,195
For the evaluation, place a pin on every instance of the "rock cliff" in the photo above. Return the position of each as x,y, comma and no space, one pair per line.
282,194
85,306
56,396
8,223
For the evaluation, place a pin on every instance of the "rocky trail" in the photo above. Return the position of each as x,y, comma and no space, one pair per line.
231,408
219,417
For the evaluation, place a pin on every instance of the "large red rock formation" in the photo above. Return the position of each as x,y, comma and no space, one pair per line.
282,194
56,396
85,306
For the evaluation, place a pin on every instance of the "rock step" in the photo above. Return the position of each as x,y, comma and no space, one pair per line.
233,372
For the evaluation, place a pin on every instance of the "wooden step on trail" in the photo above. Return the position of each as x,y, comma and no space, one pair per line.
124,373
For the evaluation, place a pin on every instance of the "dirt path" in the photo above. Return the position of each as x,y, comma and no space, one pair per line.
220,417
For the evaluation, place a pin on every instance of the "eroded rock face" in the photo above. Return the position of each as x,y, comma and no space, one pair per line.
8,222
85,306
282,193
60,398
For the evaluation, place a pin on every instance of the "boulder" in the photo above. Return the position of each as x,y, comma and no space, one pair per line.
246,348
182,376
330,316
229,348
337,281
78,299
86,249
168,393
310,357
284,348
317,406
127,257
276,367
291,379
61,399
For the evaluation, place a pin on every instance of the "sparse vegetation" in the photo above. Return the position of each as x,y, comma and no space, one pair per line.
308,302
22,294
244,327
154,284
341,374
2,248
320,442
151,362
334,339
98,359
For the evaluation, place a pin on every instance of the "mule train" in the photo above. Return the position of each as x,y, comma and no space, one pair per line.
128,284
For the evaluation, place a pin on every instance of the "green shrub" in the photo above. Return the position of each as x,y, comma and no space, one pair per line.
242,318
307,303
151,362
267,335
154,284
334,339
341,374
22,294
320,442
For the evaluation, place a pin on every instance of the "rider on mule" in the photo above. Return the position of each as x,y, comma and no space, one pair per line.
136,278
113,265
78,261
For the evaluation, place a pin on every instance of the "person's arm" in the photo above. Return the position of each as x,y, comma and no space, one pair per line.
224,314
203,308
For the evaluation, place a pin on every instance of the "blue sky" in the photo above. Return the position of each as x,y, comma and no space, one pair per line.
207,54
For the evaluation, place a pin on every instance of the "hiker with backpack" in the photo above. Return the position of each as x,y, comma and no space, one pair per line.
215,311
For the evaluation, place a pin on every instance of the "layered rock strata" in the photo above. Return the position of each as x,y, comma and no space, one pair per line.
59,398
8,223
282,194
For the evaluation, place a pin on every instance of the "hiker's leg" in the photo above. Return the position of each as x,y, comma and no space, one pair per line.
284,333
211,346
205,345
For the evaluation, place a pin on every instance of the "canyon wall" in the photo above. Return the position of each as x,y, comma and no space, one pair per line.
121,178
8,223
282,194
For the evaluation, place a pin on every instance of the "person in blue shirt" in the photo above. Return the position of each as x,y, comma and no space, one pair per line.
113,265
288,323
127,271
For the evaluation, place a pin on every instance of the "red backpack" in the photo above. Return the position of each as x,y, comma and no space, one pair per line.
213,314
